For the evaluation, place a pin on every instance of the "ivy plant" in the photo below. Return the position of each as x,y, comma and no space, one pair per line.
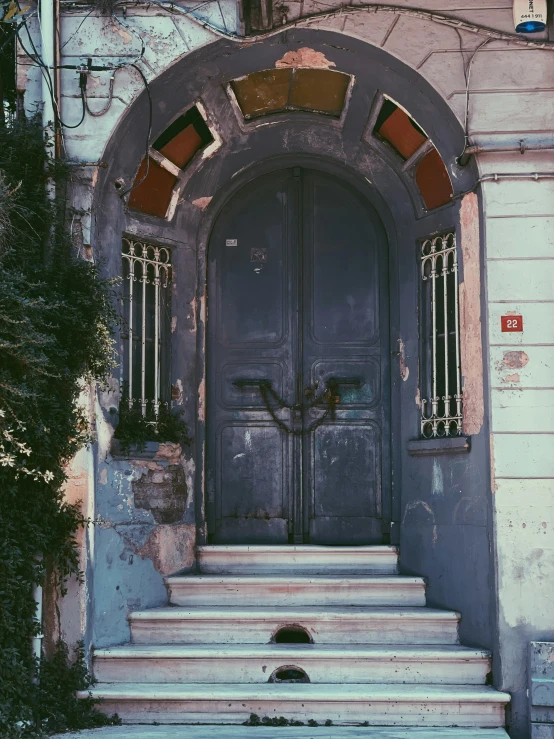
56,320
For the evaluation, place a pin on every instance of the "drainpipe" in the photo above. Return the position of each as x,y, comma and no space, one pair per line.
520,147
48,46
57,77
37,640
49,42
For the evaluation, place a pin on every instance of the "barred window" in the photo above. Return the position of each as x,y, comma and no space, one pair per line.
441,404
146,325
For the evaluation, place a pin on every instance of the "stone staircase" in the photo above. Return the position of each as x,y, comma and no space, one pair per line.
356,636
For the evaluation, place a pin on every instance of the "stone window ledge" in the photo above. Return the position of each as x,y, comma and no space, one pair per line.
436,447
148,450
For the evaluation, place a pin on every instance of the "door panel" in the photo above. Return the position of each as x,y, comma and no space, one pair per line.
341,253
345,329
297,291
251,336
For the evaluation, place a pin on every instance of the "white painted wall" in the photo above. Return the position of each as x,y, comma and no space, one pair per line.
520,277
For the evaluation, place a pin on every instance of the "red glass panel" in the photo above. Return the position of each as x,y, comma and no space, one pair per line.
402,133
183,147
154,194
433,181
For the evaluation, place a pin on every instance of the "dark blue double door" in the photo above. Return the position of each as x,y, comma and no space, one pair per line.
298,392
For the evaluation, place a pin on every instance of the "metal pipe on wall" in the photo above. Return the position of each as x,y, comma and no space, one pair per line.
49,40
48,43
37,639
520,147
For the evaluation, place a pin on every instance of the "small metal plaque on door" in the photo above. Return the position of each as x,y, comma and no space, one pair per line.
231,242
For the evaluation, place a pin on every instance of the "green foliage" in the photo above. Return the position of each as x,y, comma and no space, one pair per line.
56,319
255,720
59,708
134,429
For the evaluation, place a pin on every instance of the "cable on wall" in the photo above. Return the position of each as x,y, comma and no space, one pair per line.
149,132
461,159
105,109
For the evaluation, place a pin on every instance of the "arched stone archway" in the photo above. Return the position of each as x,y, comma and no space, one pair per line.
242,150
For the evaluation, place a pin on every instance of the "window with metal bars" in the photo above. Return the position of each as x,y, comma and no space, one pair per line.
440,377
146,326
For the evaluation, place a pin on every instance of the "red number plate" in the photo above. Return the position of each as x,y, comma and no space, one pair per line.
511,323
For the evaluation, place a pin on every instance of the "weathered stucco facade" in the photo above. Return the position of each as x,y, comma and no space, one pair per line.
478,525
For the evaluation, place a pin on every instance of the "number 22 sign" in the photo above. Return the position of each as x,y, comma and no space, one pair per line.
511,323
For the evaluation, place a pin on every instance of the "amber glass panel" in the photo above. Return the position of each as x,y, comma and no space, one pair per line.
183,147
319,89
262,92
433,181
154,194
402,133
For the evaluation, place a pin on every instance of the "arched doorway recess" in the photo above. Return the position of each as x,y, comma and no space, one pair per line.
439,502
298,385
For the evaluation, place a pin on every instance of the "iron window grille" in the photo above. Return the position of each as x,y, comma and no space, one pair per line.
441,404
147,325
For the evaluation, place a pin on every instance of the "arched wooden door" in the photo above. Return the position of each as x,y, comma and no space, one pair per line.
298,365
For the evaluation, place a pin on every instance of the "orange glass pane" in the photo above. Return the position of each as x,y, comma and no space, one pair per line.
433,181
183,147
154,194
319,89
262,92
402,134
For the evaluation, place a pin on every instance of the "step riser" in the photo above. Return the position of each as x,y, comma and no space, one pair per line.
188,592
223,561
340,631
376,713
319,670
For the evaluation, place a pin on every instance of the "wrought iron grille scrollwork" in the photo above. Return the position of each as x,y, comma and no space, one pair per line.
441,405
147,274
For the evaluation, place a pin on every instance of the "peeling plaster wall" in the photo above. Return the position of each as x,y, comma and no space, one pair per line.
144,530
144,525
448,505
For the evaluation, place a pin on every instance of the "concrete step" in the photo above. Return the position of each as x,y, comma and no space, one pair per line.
290,732
393,705
296,560
325,625
297,590
224,663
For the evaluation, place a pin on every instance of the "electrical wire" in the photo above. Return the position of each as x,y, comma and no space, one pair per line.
78,28
429,15
50,85
169,6
466,118
147,147
137,35
14,32
100,113
83,72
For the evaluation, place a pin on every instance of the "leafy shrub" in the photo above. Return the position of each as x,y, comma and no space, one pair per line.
56,321
134,429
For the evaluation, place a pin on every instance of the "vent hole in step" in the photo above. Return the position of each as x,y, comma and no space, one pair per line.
292,635
289,674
